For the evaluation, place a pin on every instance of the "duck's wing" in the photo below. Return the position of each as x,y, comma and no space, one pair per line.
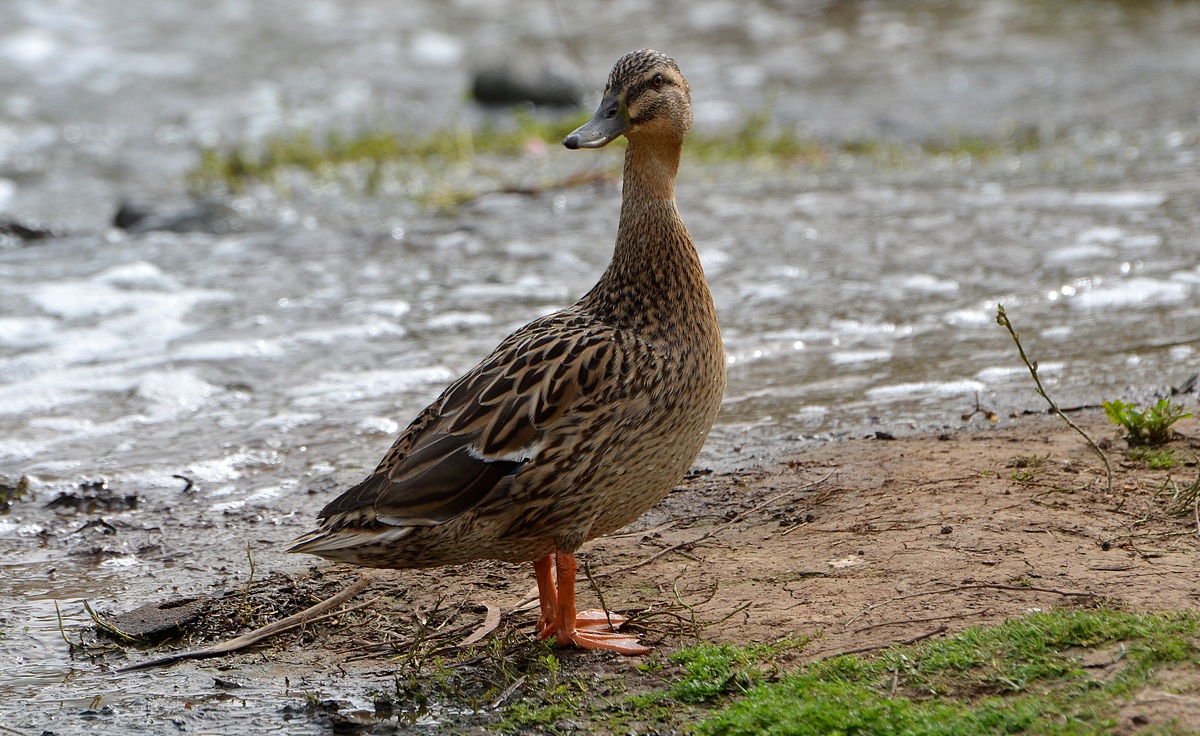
486,425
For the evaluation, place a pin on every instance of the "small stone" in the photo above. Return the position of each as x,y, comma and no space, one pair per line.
513,84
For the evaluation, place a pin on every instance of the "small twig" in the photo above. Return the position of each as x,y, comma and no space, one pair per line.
744,605
568,182
587,570
695,625
506,693
920,620
249,580
1003,321
793,528
107,626
61,629
860,650
987,413
296,620
973,586
1196,514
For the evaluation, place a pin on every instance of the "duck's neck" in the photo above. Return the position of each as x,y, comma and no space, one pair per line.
655,283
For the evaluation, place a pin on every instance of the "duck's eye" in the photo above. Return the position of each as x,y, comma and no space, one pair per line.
658,80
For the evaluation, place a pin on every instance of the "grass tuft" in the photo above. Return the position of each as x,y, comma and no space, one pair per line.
715,669
1155,458
1025,676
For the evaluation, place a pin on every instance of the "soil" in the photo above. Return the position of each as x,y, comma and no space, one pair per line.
856,545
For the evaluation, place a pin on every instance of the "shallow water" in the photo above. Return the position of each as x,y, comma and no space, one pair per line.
854,296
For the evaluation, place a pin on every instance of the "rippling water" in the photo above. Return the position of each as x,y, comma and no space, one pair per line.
854,296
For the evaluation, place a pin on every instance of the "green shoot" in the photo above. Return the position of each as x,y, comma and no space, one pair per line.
1003,321
1149,427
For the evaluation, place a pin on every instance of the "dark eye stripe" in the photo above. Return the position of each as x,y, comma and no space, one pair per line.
640,89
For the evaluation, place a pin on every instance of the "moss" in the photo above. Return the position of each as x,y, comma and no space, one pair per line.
1155,458
1022,677
11,492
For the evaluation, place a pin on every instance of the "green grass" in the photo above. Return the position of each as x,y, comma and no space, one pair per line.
714,669
550,707
1155,458
234,168
1149,427
1024,676
1060,672
376,156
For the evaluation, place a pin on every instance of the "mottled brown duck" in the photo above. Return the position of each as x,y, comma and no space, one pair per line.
578,422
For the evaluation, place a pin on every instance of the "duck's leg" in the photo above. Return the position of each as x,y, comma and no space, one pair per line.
584,629
547,595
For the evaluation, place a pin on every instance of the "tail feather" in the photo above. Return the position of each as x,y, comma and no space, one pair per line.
322,542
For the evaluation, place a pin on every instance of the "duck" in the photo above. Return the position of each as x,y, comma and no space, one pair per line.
580,421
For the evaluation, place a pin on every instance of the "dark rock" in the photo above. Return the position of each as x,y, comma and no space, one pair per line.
28,230
129,214
1188,386
514,84
161,619
207,216
95,496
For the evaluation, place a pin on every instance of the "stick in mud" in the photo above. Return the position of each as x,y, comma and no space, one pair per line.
296,620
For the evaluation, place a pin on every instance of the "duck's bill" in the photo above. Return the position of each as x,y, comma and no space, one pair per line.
609,122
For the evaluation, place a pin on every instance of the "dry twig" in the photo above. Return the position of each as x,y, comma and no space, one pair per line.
506,693
1003,321
294,621
860,650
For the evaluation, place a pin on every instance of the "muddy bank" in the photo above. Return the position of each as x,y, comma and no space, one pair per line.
848,545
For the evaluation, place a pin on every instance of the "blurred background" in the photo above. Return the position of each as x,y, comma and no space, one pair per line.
241,244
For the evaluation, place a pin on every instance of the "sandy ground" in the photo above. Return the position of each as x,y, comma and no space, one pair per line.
857,544
873,541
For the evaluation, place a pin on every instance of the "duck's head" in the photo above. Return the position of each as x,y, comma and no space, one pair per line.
646,97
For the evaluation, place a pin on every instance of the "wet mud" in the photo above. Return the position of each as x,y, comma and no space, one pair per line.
847,546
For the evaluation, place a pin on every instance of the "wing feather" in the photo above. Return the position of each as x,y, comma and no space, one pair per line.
475,437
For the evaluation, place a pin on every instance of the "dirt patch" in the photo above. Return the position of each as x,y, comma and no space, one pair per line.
857,545
1173,702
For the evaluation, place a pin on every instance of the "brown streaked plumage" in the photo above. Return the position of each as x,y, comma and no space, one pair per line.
578,422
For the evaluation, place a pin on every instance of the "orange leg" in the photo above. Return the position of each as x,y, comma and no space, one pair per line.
584,629
547,595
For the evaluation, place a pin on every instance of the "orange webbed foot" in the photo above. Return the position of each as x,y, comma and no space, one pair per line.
590,629
597,620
